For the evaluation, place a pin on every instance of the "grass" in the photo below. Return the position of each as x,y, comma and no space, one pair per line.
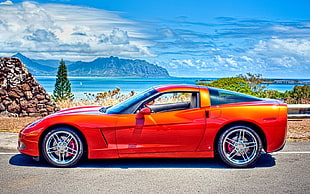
14,124
108,98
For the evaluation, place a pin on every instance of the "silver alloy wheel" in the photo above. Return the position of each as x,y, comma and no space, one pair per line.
239,146
62,147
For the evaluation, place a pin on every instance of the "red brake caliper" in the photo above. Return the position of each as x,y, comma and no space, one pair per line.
71,145
230,147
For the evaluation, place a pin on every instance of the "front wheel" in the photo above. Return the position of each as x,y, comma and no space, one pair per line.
239,146
62,147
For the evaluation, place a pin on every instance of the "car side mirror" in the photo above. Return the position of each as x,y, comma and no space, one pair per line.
142,112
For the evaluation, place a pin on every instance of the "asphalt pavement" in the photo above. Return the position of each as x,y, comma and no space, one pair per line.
287,171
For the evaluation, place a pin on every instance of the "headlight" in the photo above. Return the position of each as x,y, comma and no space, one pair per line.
33,123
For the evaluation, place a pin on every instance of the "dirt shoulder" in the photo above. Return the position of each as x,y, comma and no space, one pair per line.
298,130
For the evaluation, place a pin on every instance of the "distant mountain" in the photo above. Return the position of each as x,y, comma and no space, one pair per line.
116,67
34,67
51,63
103,67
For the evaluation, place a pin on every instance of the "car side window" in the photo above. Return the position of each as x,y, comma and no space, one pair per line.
219,97
173,101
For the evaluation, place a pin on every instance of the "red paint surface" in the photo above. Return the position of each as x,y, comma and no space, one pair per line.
184,133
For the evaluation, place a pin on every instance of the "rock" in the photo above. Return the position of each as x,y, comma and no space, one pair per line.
23,104
26,87
18,91
6,70
28,95
43,101
35,114
23,114
3,92
40,96
33,103
6,102
31,110
41,106
2,107
14,108
20,94
13,94
43,114
50,108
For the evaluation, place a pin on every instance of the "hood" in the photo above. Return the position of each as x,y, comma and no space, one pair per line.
85,110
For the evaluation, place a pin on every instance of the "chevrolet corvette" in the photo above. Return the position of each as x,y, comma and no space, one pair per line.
167,121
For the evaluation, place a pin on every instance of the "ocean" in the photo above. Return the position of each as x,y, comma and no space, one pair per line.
94,85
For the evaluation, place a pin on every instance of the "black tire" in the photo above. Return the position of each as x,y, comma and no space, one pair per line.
62,147
239,146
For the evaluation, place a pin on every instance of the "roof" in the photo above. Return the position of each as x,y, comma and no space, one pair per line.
177,87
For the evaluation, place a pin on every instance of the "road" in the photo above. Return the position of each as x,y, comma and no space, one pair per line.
287,171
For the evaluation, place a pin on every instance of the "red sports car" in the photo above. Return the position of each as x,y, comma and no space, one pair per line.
169,121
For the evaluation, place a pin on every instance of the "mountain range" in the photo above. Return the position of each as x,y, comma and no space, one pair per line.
100,67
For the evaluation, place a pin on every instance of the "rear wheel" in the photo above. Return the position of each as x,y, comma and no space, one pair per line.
62,147
239,146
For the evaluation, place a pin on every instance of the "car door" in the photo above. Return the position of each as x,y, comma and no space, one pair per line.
171,130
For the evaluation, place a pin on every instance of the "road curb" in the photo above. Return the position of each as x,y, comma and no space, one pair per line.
8,140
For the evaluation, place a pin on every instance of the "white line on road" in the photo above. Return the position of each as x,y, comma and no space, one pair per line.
8,153
304,152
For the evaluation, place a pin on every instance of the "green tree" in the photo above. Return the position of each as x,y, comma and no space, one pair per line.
62,89
237,84
254,81
299,95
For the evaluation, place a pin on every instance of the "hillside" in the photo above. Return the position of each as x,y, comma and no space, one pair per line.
116,67
34,67
100,67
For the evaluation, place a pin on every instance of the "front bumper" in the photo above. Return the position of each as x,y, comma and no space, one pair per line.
28,144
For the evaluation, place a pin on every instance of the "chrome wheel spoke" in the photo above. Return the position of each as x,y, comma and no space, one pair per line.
56,138
52,151
68,139
73,151
59,157
232,154
241,135
245,156
250,145
231,144
230,141
51,148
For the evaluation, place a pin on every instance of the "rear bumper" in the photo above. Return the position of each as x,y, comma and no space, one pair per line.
281,148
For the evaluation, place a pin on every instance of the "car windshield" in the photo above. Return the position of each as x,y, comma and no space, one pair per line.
118,108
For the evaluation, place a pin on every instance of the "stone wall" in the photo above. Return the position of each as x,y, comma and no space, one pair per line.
20,93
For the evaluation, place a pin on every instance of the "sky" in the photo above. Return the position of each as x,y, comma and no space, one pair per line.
190,38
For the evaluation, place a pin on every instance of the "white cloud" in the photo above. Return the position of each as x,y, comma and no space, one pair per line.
284,55
167,33
6,3
284,46
65,31
119,37
41,35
